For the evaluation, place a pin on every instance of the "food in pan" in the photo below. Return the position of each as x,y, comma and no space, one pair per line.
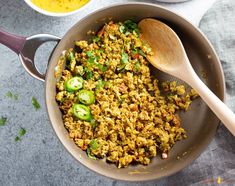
111,105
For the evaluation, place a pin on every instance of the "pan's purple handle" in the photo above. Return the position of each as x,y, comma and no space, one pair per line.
26,49
15,43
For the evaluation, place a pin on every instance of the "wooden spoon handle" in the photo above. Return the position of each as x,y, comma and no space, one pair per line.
225,114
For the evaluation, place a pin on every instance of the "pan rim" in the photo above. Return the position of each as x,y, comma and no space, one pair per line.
188,160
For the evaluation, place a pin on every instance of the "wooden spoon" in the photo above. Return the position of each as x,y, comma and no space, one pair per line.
170,57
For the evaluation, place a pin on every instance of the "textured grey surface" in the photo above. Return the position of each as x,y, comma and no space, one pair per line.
39,158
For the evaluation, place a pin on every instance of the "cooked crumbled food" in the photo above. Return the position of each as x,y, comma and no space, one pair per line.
111,105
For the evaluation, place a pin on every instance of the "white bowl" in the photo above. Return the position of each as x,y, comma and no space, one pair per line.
172,1
55,14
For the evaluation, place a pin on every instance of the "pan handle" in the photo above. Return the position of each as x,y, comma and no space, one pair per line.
26,49
15,43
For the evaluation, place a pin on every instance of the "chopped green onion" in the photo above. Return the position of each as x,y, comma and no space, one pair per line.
35,103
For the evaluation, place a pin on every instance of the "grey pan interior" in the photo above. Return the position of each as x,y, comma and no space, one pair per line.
199,122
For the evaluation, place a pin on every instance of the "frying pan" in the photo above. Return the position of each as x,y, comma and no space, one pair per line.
199,122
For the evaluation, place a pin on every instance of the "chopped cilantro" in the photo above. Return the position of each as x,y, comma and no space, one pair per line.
93,144
3,121
122,29
124,58
93,123
96,39
132,26
142,53
70,56
9,94
137,66
138,51
22,132
91,59
17,138
89,53
100,84
88,151
35,103
89,73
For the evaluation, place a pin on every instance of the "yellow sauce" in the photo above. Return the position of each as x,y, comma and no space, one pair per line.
60,6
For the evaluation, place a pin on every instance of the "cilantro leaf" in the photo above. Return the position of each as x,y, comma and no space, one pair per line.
89,53
100,84
96,39
93,144
122,29
10,95
88,151
17,138
93,123
35,103
132,26
137,66
3,121
124,58
22,132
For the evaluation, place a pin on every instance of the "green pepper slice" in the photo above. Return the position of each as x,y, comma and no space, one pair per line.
82,112
86,97
74,84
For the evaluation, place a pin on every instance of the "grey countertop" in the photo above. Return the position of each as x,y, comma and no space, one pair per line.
39,158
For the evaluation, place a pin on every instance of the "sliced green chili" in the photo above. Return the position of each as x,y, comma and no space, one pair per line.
82,112
86,97
74,84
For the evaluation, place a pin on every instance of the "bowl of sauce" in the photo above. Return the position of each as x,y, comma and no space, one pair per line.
58,8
